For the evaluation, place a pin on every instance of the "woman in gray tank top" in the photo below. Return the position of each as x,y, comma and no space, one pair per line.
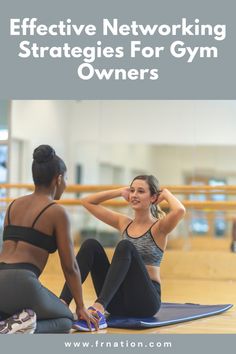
130,285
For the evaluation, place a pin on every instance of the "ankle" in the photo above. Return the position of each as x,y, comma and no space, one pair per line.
98,307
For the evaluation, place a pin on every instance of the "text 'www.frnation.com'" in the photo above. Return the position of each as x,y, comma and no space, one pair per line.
117,344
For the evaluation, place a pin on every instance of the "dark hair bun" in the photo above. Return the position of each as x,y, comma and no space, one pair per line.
43,153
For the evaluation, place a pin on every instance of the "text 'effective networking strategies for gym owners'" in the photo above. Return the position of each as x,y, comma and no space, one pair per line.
118,51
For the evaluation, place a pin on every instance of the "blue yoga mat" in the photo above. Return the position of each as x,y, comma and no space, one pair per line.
169,313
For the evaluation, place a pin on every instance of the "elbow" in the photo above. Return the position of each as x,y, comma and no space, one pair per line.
181,212
71,269
86,202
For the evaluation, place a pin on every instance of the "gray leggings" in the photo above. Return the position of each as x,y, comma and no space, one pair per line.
20,289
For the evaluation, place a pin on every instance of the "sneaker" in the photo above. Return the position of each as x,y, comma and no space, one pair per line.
81,325
23,322
106,314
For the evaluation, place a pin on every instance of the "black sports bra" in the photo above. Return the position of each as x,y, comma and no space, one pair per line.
30,234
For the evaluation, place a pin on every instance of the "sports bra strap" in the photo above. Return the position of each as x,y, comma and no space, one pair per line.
154,224
133,221
8,212
127,226
41,212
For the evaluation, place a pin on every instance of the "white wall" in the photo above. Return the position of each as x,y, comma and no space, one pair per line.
127,134
35,123
156,122
171,164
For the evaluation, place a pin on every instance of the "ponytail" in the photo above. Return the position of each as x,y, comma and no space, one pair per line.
157,212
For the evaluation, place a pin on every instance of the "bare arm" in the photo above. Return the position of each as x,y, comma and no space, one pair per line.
177,212
5,219
92,204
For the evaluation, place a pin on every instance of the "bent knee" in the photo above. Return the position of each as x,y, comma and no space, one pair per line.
124,246
65,325
91,243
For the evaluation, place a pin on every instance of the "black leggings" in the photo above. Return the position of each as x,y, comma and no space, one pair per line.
21,289
123,287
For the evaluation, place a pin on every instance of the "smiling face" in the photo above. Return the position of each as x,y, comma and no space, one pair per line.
140,196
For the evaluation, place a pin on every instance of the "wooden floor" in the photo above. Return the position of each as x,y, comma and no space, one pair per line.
192,279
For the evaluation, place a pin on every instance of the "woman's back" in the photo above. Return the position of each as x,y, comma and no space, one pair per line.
29,230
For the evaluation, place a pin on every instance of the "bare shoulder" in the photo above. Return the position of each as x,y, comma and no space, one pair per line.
159,236
58,216
21,200
124,222
61,220
59,211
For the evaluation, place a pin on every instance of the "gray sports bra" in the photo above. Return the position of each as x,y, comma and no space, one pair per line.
146,246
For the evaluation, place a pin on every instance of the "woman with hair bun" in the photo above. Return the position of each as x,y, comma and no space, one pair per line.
34,227
131,284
